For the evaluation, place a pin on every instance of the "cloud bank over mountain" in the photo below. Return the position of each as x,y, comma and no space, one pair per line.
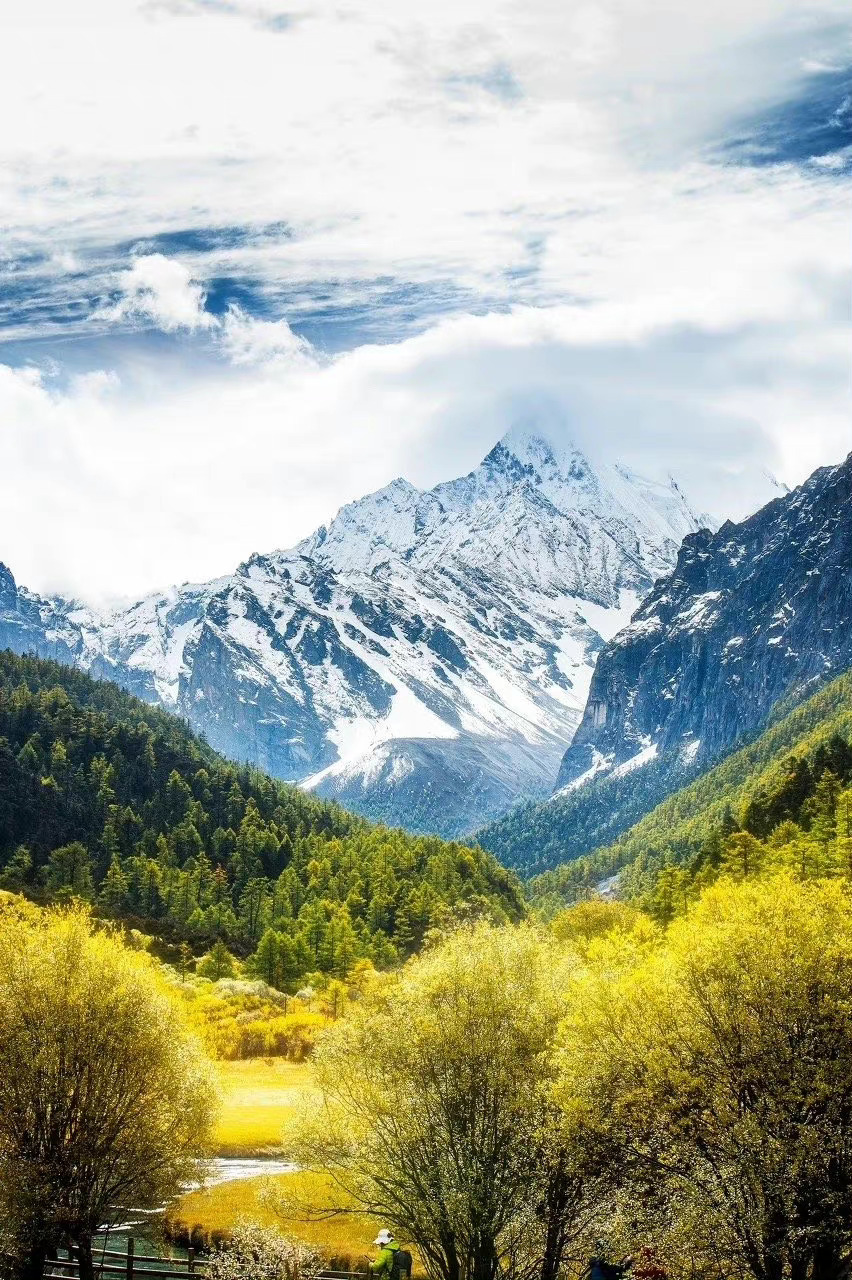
258,261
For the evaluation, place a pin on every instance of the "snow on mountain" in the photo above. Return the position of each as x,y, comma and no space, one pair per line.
425,657
749,615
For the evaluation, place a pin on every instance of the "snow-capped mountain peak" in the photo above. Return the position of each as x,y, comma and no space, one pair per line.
368,532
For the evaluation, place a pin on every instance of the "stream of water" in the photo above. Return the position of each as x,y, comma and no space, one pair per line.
223,1170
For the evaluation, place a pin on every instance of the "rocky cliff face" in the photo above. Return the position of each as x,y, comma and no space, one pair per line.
29,624
752,613
424,657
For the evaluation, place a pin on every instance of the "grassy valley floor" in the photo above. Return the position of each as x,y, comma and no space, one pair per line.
260,1099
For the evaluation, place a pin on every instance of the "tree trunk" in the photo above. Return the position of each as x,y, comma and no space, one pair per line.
829,1263
773,1265
31,1266
443,1257
556,1204
484,1260
83,1248
451,1258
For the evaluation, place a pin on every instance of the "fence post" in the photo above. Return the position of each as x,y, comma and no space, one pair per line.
130,1251
190,1258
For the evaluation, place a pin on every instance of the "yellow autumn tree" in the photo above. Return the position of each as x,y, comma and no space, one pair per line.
436,1113
106,1099
719,1073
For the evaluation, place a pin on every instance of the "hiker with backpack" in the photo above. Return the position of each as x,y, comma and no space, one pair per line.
599,1269
392,1263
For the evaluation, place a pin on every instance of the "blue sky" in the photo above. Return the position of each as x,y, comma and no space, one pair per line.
259,259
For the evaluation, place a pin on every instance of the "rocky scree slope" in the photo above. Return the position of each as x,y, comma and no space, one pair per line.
423,658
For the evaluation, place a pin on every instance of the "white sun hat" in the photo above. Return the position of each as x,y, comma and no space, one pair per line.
384,1236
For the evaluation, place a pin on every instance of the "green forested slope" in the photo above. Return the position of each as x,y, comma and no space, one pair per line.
536,836
772,781
109,799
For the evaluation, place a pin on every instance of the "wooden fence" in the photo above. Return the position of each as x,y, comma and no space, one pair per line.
128,1263
140,1266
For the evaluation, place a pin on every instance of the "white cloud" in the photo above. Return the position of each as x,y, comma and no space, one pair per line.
359,161
365,129
159,290
134,491
247,341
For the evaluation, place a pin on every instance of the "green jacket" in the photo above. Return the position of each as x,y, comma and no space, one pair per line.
384,1263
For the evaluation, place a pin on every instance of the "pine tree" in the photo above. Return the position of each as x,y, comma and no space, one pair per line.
235,806
114,894
165,855
110,842
17,873
266,959
334,999
844,832
382,951
253,909
822,811
69,873
186,841
184,959
282,904
313,925
184,900
743,856
178,798
59,762
220,891
403,934
347,944
31,754
729,823
203,878
218,963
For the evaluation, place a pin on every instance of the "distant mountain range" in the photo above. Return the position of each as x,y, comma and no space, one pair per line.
424,658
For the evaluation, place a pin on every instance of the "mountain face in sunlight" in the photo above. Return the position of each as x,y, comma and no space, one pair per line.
424,658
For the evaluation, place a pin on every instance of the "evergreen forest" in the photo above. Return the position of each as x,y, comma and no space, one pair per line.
106,799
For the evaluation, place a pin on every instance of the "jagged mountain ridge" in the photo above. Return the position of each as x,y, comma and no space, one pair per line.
424,658
751,614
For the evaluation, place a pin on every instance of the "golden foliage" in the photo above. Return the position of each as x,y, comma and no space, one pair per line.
107,1099
718,1069
238,1020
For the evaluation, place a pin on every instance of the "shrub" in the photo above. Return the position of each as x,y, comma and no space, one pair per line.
262,1253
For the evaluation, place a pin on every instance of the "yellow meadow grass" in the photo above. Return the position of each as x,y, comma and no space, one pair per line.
213,1212
260,1098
